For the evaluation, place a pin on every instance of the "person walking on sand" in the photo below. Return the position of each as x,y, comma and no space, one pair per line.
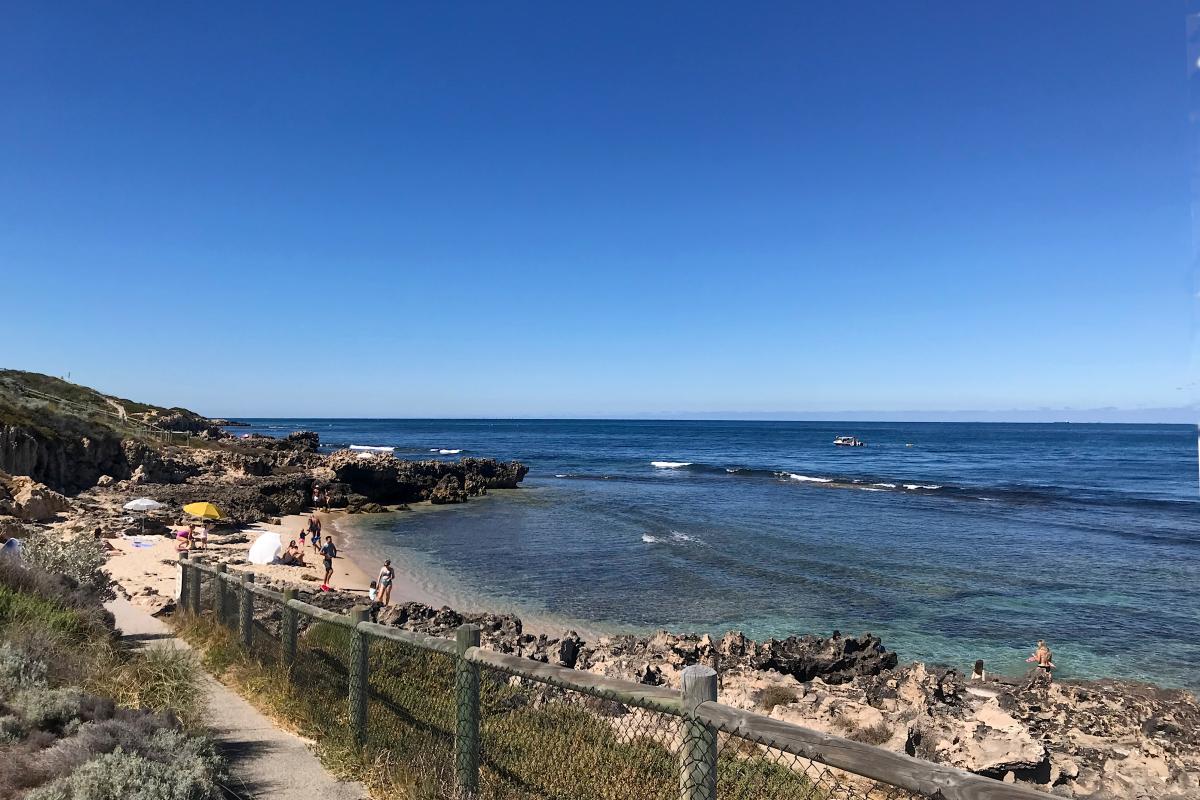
329,551
314,528
386,576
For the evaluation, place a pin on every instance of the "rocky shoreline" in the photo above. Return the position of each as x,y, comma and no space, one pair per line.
1095,739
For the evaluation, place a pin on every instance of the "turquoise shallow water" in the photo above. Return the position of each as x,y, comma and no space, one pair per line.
952,541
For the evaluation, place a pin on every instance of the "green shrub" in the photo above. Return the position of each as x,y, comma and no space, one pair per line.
79,558
191,774
41,708
18,670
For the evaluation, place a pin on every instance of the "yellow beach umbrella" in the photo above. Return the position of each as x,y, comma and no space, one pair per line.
207,510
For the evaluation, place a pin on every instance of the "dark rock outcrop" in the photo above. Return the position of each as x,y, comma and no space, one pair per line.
383,478
448,490
241,502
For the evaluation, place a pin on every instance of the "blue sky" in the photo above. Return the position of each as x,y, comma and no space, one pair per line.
511,209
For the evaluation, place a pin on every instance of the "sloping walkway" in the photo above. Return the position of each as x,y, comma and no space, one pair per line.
265,762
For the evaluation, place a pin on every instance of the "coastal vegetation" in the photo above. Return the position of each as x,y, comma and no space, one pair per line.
82,715
538,741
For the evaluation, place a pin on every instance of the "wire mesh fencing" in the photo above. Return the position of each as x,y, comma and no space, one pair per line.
540,740
412,713
756,767
449,720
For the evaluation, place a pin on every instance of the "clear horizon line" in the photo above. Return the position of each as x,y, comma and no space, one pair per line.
1181,415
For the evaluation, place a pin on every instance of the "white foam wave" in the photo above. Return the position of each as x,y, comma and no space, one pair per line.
670,464
885,485
443,451
370,449
867,489
680,536
808,478
648,539
914,486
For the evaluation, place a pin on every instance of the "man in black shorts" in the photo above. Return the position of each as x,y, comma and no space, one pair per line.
329,551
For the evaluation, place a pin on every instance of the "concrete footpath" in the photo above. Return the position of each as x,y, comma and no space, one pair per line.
265,762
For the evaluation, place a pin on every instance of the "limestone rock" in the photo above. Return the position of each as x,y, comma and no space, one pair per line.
26,499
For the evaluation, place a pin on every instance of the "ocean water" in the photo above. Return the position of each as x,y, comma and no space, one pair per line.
951,541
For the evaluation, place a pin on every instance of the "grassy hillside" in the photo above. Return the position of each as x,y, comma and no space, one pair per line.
19,406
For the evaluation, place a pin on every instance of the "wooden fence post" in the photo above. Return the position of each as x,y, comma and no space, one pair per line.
195,583
466,738
358,676
219,594
288,624
247,616
182,598
698,764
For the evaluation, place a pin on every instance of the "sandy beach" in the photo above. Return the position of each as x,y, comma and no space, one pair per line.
144,566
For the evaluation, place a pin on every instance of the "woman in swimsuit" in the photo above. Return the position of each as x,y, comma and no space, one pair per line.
386,576
1043,658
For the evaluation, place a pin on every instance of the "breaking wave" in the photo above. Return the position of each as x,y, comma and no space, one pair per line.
675,537
806,478
670,464
443,451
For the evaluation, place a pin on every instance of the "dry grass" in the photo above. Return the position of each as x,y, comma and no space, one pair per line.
773,696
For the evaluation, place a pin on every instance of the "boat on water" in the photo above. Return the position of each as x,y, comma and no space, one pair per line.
848,441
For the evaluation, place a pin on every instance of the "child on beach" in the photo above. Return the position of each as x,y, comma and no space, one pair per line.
303,534
373,596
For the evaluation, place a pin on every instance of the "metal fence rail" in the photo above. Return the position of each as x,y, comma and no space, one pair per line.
461,721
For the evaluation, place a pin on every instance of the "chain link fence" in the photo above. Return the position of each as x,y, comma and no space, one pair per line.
451,720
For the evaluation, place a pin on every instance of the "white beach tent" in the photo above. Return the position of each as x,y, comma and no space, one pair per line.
265,549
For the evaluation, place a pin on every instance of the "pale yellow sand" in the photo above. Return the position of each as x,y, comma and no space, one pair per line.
149,575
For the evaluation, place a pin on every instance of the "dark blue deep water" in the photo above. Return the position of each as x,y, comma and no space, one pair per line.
952,541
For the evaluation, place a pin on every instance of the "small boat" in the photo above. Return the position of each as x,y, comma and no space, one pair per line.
848,441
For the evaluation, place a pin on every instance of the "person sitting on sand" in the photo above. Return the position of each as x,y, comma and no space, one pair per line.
386,576
1043,658
293,556
329,551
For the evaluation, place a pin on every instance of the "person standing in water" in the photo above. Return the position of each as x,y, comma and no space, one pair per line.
329,551
1043,659
386,576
